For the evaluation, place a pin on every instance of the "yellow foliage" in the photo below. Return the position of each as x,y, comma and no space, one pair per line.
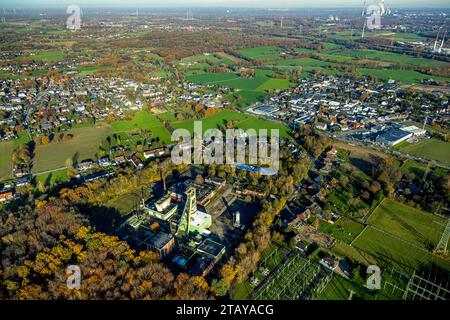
83,233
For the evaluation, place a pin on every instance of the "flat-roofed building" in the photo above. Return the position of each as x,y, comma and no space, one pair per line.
416,131
212,249
393,137
162,209
162,243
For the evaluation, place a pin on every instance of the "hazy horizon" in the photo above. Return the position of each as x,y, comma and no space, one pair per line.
222,3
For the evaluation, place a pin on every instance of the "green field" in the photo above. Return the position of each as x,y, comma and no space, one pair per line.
250,89
402,235
302,62
23,138
344,229
393,57
406,76
52,178
347,35
90,70
84,145
143,120
245,122
416,226
340,289
245,98
213,78
390,250
431,149
6,150
211,59
261,53
46,56
415,168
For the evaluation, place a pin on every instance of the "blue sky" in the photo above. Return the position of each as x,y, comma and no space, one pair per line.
218,3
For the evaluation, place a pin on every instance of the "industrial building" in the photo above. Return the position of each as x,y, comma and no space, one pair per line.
265,110
175,230
417,132
162,243
162,209
204,192
206,255
393,137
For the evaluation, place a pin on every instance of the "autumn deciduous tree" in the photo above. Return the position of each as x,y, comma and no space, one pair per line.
38,244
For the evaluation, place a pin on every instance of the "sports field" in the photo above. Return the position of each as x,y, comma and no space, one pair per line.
431,149
411,224
6,150
402,234
84,145
390,250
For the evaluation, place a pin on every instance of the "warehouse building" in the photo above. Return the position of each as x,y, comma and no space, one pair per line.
393,137
417,132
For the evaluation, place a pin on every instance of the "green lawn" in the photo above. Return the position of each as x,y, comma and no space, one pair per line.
251,90
23,138
431,149
6,150
347,35
245,122
212,59
247,98
143,120
90,70
393,57
277,84
46,56
344,250
340,289
416,168
256,123
260,53
213,78
52,178
84,145
301,62
344,229
128,202
406,76
389,250
408,223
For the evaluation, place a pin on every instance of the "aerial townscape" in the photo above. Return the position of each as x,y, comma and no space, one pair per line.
357,208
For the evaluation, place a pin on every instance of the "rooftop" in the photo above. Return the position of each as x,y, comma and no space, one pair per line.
211,248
